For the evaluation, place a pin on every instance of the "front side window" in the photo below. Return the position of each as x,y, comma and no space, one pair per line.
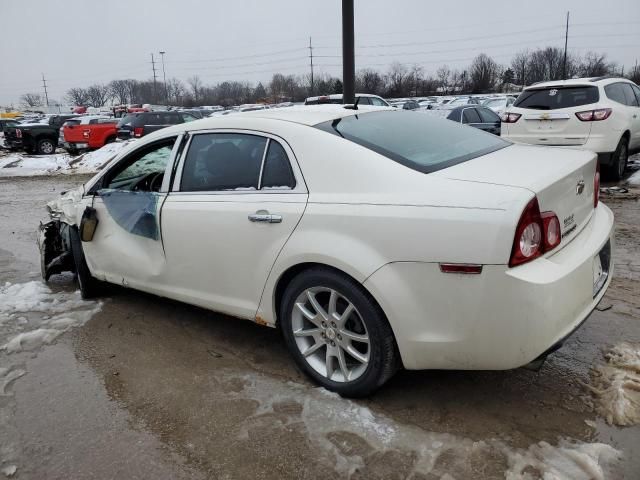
419,141
550,98
187,117
377,102
142,170
223,161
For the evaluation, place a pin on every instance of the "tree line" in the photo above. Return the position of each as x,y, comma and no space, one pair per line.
482,75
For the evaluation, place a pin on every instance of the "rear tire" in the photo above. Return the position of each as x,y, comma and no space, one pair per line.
89,286
620,159
45,146
353,355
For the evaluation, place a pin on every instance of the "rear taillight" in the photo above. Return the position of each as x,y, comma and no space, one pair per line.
510,117
138,131
536,234
594,115
18,133
551,228
596,185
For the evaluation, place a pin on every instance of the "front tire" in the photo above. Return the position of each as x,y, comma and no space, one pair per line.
45,147
337,334
89,286
620,159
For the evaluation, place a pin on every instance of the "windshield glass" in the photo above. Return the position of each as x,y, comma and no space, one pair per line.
417,140
552,97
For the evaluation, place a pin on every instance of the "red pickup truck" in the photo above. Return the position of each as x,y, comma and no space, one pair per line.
88,133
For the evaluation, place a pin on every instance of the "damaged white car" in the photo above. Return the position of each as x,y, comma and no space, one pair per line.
373,238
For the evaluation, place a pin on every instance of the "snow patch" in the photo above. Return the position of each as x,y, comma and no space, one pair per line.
615,386
31,315
326,415
9,470
634,179
568,460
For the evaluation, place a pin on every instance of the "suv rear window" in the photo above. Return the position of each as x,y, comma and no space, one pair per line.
422,142
552,98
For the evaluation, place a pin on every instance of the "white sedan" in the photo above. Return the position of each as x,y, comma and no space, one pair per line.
374,238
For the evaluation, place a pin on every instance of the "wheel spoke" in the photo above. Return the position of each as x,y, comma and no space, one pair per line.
333,299
307,333
307,314
346,314
356,337
316,306
361,357
312,349
329,363
342,362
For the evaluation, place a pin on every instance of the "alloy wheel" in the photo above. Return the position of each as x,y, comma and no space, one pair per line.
330,334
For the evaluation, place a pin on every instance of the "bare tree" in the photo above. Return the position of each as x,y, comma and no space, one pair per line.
31,100
595,65
77,96
176,90
443,75
396,77
119,91
369,81
98,94
484,74
519,67
196,86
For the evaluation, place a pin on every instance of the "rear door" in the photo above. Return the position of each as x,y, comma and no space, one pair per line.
549,115
237,198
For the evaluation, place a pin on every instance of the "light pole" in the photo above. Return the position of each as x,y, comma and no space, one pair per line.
164,77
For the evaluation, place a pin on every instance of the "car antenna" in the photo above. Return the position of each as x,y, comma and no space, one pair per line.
355,105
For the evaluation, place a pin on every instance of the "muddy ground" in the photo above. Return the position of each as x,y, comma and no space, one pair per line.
143,387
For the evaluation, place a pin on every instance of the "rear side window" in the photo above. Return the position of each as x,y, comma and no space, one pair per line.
621,93
419,141
487,115
553,98
277,170
469,115
223,161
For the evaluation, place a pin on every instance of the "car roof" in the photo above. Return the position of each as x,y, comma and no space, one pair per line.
334,96
303,114
578,82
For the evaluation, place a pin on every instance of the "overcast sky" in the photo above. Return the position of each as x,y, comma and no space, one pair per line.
79,42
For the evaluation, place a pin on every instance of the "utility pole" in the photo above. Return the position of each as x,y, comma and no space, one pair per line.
153,66
566,39
164,77
46,95
311,65
348,53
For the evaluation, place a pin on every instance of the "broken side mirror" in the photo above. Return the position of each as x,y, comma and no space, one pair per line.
88,224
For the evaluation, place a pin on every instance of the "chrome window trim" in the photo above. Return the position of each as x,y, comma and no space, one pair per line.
264,157
300,187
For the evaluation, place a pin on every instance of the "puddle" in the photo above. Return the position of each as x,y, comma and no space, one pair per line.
615,386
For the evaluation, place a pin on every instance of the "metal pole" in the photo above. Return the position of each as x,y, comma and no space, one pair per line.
153,66
348,53
164,77
311,64
566,39
46,94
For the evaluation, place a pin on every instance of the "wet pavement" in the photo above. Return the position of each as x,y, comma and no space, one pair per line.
135,386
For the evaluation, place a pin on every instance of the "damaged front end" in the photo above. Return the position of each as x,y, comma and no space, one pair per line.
53,236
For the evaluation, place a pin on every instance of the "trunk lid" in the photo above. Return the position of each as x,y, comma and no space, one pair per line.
562,179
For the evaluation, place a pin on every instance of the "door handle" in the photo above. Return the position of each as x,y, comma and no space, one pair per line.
264,216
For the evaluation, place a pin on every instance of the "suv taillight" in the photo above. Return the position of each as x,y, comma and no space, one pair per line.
510,117
18,133
594,115
536,234
138,131
596,185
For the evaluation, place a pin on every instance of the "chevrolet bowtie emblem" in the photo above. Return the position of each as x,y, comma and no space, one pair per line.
580,187
545,116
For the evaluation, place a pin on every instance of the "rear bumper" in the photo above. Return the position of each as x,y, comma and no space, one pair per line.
500,319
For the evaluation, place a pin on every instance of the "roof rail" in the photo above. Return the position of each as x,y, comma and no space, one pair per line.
604,77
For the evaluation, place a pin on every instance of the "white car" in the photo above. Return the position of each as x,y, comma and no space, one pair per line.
499,104
598,114
336,99
373,238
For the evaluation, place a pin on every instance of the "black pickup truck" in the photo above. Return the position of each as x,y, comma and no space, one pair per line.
41,138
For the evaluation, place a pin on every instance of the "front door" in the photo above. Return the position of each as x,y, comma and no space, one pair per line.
237,199
127,245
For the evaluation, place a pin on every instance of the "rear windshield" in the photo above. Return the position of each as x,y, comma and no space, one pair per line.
552,98
422,142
